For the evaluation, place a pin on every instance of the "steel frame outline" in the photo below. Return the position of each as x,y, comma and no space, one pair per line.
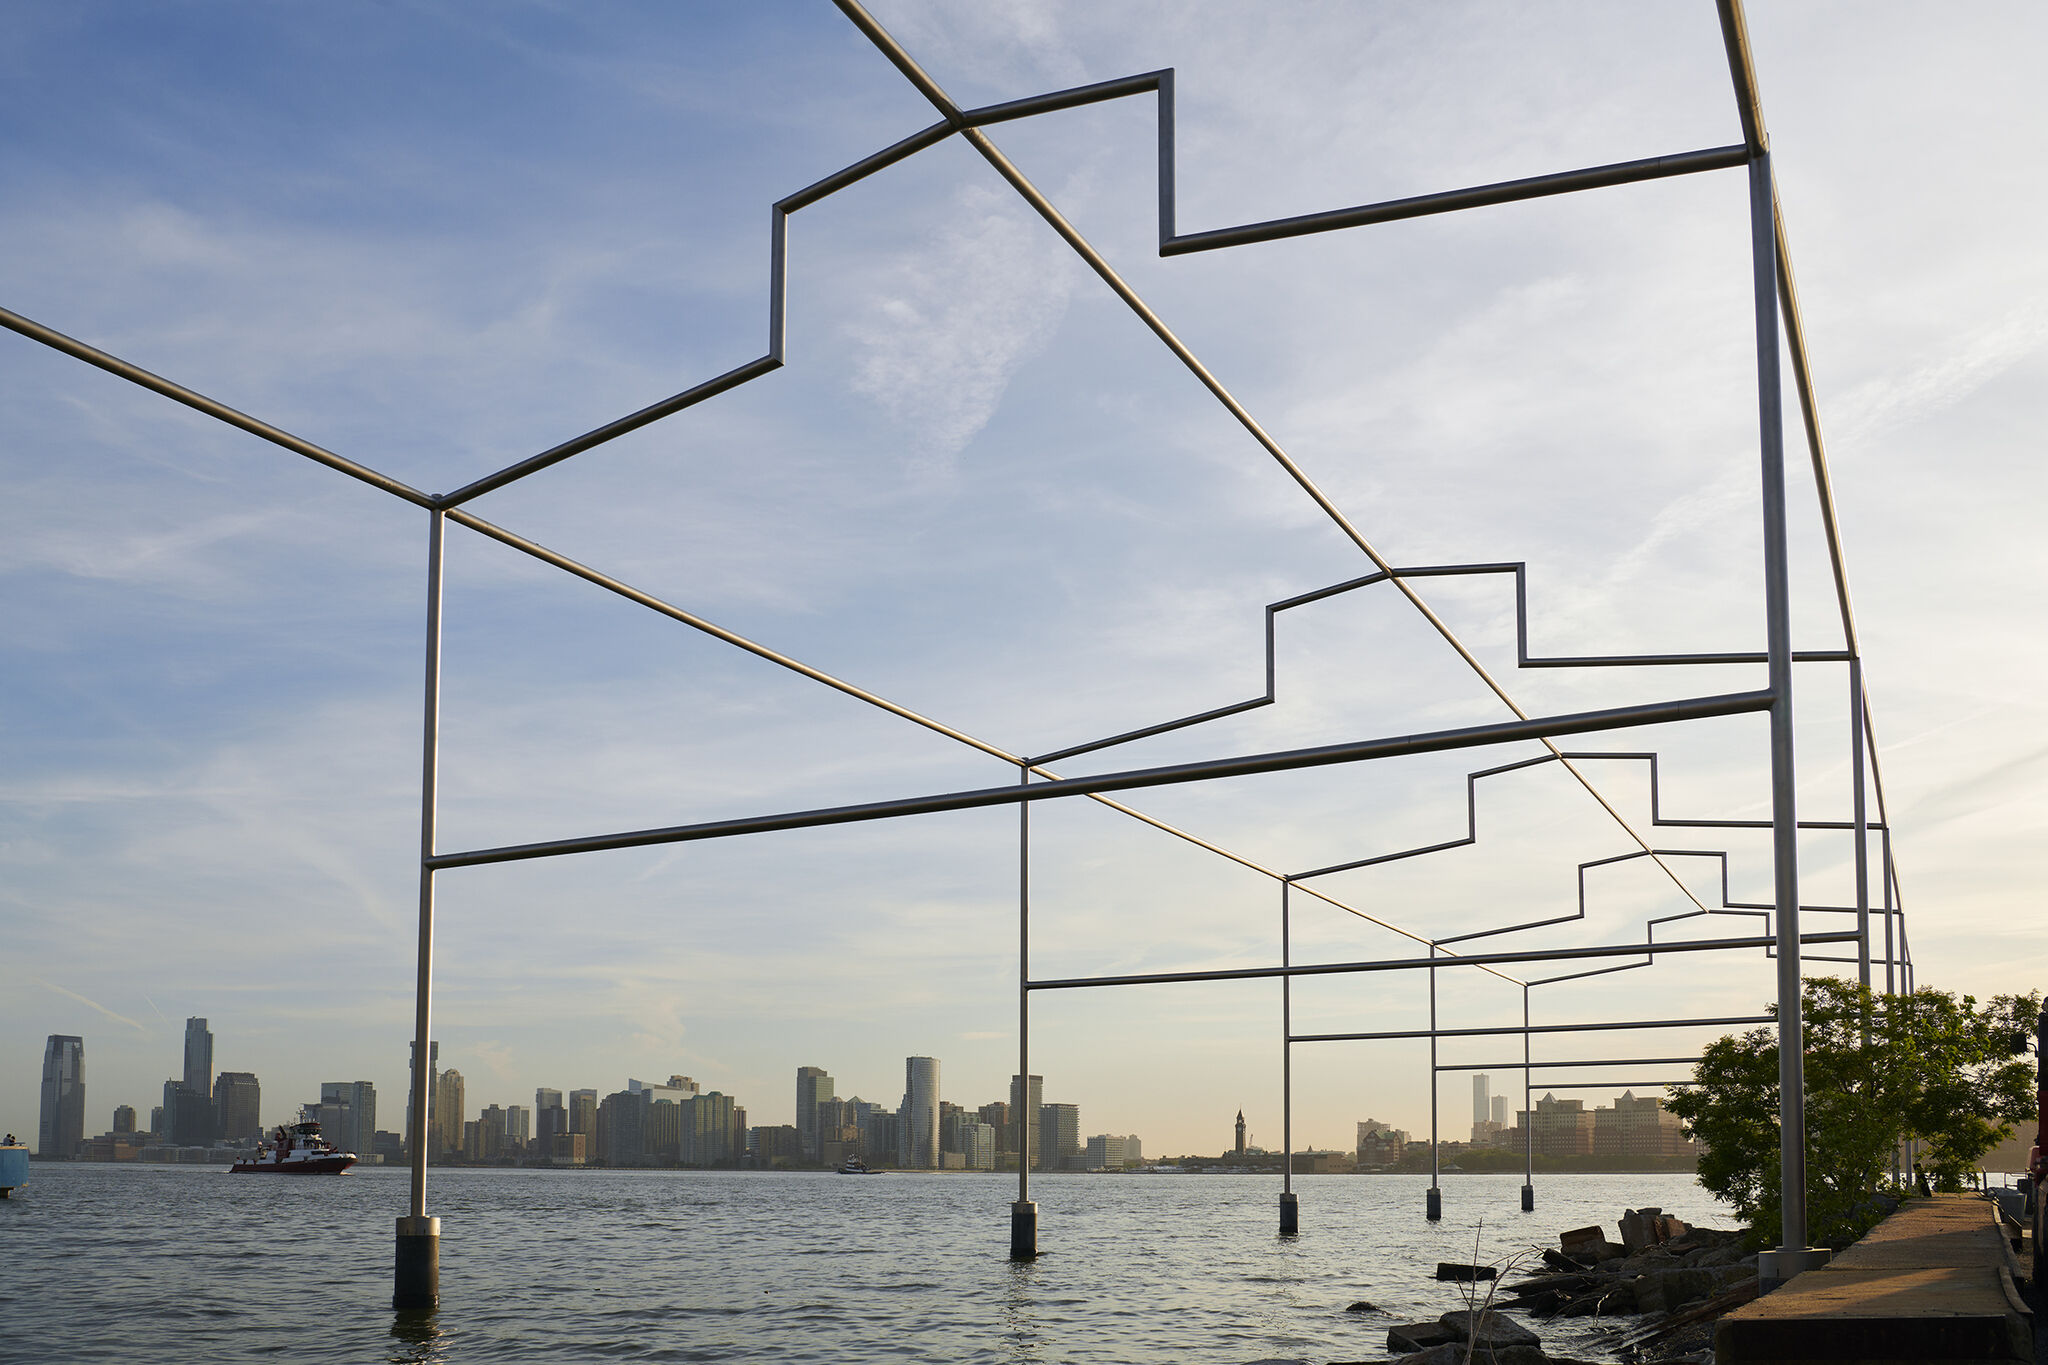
1777,305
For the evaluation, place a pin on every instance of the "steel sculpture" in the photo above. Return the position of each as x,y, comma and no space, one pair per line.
1780,935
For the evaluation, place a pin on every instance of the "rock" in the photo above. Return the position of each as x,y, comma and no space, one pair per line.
1564,1264
1581,1242
1661,1291
1493,1330
1363,1307
1418,1336
1611,1251
1639,1229
1452,1270
1655,1258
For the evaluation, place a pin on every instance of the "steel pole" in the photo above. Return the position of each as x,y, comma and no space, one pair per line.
1792,1253
417,1268
1528,1120
1024,1213
1290,1209
1862,822
1433,1202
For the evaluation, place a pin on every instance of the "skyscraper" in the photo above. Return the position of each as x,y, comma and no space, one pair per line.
1482,1107
1024,1110
920,1138
348,1114
62,1125
237,1106
433,1078
549,1118
812,1086
445,1112
124,1118
583,1113
1499,1116
198,1058
1059,1135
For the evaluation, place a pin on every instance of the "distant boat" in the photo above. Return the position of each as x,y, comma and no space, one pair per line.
13,1166
298,1150
853,1165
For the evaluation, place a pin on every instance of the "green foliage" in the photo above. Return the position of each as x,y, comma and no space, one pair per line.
1930,1067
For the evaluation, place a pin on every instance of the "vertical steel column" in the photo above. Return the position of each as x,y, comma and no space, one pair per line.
1528,1117
1861,818
1433,1202
1792,1254
1290,1210
416,1276
1024,1213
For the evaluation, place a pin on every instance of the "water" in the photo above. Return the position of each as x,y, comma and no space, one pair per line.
190,1263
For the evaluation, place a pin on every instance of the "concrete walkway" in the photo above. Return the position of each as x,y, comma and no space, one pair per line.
1933,1282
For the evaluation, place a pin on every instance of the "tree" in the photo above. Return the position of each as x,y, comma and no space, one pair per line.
1880,1070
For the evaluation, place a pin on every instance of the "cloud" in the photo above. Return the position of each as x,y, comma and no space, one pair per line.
949,325
94,1004
1964,366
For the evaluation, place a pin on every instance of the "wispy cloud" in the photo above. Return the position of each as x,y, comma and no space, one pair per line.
90,1003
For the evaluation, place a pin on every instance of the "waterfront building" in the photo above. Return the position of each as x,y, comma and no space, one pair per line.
188,1116
62,1124
1111,1152
1028,1099
198,1058
348,1114
1639,1128
583,1113
1482,1098
714,1131
997,1116
1558,1127
978,1145
664,1135
1498,1114
549,1118
237,1107
445,1110
813,1087
781,1145
518,1129
156,1119
919,1138
880,1133
1059,1136
1379,1144
124,1118
570,1149
622,1129
490,1133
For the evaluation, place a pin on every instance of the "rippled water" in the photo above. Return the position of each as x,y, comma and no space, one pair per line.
170,1264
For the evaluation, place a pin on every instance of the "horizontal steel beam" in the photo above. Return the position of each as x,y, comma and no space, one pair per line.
1552,1066
1505,1031
1657,713
1396,964
1450,201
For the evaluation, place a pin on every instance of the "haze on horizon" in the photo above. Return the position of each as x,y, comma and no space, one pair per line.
438,241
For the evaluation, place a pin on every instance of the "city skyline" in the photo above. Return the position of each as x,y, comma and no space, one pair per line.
976,488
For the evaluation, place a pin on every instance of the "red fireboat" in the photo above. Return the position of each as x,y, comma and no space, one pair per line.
297,1150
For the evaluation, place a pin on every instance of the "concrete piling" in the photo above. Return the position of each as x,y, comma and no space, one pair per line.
1290,1215
1023,1230
417,1281
1433,1206
1528,1199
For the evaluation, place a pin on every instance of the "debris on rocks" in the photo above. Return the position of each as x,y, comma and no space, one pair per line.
1464,1274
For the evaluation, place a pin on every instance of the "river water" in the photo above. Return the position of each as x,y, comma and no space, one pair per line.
172,1264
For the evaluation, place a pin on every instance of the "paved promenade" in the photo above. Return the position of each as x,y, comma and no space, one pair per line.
1933,1282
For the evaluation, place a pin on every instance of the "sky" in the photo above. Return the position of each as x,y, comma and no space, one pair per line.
437,239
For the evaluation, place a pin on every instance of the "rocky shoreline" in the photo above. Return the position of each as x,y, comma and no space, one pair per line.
1665,1284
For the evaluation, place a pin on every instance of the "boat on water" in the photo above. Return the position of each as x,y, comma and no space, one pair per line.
13,1166
853,1165
297,1150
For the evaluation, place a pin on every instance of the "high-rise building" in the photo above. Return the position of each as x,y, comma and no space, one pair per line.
1561,1127
997,1116
62,1125
348,1115
1024,1113
188,1116
1110,1152
445,1112
237,1105
812,1086
1059,1135
518,1129
714,1130
156,1120
124,1118
198,1058
622,1129
978,1146
549,1118
920,1135
583,1113
1500,1111
1482,1107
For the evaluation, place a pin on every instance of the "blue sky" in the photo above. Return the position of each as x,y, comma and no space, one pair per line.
436,239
